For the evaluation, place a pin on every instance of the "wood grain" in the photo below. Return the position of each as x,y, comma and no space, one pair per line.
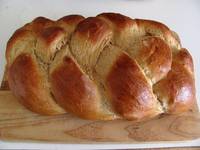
17,123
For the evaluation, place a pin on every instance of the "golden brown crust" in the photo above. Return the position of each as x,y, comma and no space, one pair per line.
69,23
124,29
177,90
92,28
48,42
75,92
120,21
184,58
18,35
155,56
102,67
28,84
71,19
130,93
148,24
93,35
38,24
154,28
49,34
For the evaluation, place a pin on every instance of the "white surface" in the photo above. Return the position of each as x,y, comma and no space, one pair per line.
182,16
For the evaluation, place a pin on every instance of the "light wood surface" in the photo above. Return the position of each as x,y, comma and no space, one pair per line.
17,123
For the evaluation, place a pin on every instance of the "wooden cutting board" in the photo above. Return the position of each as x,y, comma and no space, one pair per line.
17,123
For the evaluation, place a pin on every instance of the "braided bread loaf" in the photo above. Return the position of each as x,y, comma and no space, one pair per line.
104,67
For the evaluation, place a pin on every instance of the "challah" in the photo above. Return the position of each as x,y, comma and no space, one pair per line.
104,68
